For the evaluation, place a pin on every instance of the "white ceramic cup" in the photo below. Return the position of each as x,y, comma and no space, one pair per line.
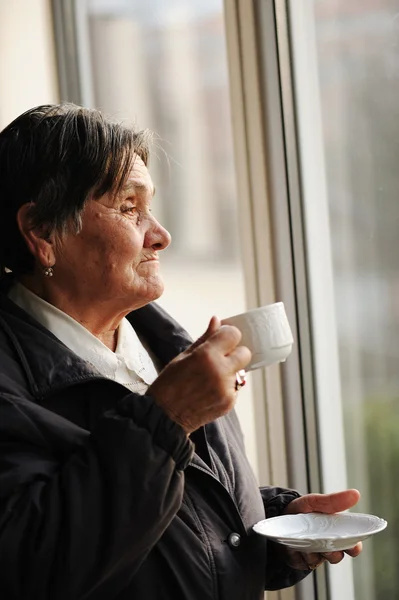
266,332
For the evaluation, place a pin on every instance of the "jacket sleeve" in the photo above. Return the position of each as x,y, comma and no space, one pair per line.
68,526
278,574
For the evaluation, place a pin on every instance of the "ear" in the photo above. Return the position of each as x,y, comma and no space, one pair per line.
39,243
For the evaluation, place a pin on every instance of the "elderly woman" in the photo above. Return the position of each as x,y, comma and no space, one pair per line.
122,467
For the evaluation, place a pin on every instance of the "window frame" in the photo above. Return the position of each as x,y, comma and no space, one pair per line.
269,187
275,94
330,422
73,51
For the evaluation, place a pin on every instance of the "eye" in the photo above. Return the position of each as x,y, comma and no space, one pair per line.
127,209
131,210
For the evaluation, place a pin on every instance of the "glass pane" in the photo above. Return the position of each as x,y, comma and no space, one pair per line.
163,66
28,60
358,58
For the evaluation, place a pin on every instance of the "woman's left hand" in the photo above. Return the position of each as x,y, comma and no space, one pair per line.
321,503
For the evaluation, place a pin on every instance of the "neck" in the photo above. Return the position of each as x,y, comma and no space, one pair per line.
108,338
97,318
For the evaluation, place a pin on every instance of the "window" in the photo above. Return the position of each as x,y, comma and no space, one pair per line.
357,44
27,68
345,54
163,65
332,135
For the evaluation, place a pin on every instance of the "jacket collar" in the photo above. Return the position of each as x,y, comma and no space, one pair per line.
49,365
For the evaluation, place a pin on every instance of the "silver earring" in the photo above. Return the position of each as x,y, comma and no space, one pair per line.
49,272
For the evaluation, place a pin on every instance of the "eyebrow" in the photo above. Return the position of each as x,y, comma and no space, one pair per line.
137,186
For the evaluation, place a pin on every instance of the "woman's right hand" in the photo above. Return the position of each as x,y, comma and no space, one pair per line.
198,386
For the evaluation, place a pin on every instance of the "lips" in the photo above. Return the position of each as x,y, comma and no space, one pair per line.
151,258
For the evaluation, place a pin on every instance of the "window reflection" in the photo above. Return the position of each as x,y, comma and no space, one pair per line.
358,54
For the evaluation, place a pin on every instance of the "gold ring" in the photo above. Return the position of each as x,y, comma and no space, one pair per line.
240,380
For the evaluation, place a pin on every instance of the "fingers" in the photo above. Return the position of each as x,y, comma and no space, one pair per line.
355,551
314,560
224,339
198,385
239,358
333,557
304,561
214,325
324,503
337,502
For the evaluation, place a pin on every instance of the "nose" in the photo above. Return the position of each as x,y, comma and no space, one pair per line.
157,237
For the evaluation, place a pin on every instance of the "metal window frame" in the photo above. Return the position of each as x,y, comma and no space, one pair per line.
330,425
64,18
73,51
269,138
272,243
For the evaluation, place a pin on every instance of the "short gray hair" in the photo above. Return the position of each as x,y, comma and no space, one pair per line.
57,157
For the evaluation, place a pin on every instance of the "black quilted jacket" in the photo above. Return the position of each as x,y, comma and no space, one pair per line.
103,497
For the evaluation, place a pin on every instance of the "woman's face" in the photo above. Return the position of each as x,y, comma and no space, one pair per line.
114,259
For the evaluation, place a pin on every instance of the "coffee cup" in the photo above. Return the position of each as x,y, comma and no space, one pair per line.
266,332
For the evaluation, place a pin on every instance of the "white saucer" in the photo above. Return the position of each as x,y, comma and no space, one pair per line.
317,532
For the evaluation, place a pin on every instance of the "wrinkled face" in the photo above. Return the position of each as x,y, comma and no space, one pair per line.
114,259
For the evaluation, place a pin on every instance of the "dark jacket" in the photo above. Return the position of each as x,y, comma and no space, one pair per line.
102,496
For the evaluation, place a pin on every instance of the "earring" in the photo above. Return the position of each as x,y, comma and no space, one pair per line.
49,272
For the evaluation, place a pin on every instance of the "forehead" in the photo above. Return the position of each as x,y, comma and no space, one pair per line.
139,178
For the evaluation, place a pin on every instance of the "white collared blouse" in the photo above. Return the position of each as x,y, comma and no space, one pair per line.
130,364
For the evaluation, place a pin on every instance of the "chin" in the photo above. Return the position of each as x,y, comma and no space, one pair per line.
152,291
157,293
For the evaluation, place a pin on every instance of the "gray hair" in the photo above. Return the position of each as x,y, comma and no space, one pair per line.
56,157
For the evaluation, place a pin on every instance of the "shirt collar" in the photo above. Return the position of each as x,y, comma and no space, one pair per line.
77,338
